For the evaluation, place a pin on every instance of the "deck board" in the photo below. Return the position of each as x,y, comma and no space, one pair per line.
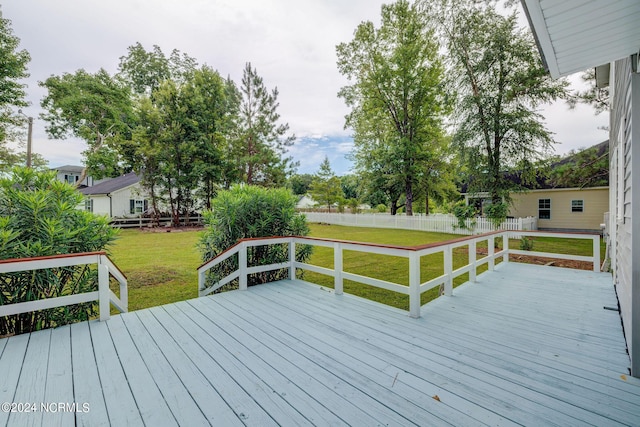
525,345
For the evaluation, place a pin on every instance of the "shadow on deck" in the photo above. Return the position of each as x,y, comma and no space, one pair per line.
524,345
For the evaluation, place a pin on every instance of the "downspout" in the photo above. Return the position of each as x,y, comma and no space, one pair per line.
110,206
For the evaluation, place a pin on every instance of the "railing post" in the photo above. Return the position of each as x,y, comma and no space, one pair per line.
596,254
201,281
448,271
292,259
473,271
491,251
242,266
337,269
103,290
414,285
505,247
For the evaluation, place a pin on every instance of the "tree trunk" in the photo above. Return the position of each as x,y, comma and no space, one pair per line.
394,207
409,199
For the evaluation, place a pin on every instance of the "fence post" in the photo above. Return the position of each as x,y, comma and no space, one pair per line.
337,268
596,253
491,250
414,285
292,258
448,271
472,261
242,266
103,290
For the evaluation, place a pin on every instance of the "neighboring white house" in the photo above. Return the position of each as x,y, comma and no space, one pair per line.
574,35
305,202
72,174
117,197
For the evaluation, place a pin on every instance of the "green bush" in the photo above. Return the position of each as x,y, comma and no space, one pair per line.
39,217
463,212
247,211
381,208
497,213
526,244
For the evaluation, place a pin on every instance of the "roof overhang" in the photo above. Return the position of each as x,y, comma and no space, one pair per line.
574,35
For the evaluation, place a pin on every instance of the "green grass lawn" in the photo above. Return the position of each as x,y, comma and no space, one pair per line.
161,267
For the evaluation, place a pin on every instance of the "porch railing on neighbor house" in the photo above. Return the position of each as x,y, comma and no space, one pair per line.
414,254
442,223
104,294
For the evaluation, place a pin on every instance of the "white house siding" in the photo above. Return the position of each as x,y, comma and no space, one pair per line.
120,200
625,134
101,205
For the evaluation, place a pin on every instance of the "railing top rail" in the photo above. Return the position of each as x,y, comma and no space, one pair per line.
63,256
566,234
368,244
113,264
48,257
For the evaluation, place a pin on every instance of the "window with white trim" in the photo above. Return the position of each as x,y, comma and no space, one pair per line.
577,206
137,206
544,208
88,205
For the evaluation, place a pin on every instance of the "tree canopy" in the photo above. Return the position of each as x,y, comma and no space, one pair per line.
499,78
326,188
397,98
13,68
186,130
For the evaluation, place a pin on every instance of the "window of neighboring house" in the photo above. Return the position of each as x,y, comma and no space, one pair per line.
544,208
71,179
577,206
137,206
88,205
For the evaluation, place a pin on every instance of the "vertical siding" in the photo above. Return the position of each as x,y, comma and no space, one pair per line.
621,145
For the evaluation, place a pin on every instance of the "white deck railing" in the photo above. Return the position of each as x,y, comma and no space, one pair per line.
414,254
104,294
441,223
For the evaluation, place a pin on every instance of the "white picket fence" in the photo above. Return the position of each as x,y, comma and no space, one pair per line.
441,223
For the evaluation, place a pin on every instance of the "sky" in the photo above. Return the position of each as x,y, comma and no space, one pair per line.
291,43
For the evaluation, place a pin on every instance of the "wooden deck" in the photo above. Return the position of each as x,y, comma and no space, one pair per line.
525,345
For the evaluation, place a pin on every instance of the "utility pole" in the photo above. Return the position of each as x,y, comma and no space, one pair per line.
29,137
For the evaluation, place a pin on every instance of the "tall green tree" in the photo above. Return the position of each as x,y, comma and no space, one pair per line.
13,68
496,70
261,140
326,188
397,92
96,108
300,183
145,70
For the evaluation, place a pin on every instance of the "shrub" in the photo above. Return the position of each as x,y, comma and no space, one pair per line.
381,208
497,213
38,217
463,212
247,211
526,244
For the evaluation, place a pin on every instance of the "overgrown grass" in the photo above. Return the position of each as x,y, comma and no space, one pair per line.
161,267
